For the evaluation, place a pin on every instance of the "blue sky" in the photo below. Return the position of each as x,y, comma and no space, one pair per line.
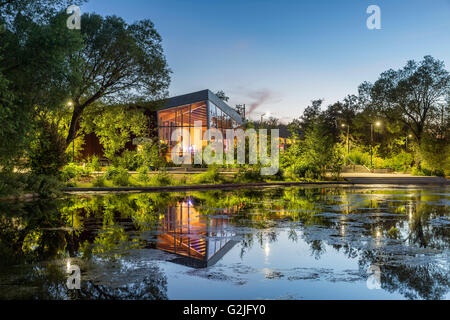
278,55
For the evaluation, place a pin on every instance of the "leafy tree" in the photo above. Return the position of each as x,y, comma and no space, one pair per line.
115,126
34,47
122,63
411,94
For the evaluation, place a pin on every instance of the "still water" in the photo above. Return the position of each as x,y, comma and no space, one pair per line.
274,243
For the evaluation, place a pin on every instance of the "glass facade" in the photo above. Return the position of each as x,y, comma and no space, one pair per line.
185,116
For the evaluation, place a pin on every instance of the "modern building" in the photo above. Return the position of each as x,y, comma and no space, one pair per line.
179,112
202,106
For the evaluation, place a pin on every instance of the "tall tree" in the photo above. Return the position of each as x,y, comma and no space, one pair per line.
34,46
121,64
411,94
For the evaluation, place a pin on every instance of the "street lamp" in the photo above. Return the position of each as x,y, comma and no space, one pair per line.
70,104
378,123
408,136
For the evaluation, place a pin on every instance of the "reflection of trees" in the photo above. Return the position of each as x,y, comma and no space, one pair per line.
109,226
413,209
414,281
54,230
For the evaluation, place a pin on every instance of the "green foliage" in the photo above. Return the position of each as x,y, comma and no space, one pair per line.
114,126
212,175
47,151
121,178
74,171
435,151
151,154
358,156
118,176
99,182
162,179
143,174
399,162
11,183
94,163
111,172
130,160
122,64
249,173
44,185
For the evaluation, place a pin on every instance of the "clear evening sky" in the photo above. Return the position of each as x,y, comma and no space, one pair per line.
281,54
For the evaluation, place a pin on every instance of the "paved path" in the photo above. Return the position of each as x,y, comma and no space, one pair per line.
391,178
374,179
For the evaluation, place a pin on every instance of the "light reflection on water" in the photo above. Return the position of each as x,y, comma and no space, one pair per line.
289,243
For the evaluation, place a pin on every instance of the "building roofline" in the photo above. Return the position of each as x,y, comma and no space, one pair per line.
202,95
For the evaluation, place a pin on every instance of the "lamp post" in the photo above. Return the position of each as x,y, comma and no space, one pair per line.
378,123
406,145
70,104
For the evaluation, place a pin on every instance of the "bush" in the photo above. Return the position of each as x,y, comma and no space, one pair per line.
111,172
143,174
162,179
46,186
130,160
151,155
99,182
304,169
94,164
249,173
121,178
74,171
47,150
399,162
212,175
12,183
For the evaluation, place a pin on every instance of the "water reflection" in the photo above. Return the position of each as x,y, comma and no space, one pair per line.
200,240
131,246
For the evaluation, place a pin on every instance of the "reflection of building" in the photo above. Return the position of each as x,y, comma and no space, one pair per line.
199,241
183,111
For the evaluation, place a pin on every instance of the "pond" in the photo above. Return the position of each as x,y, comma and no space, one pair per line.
270,243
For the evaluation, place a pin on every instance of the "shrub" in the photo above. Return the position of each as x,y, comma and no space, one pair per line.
47,150
249,173
111,172
94,163
121,178
99,182
399,162
12,183
143,174
304,169
162,179
46,186
212,175
130,160
151,155
74,171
